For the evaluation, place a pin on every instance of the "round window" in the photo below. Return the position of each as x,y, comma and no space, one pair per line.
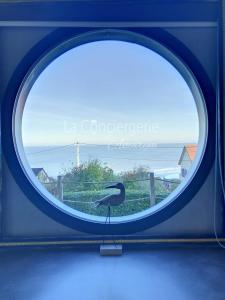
110,129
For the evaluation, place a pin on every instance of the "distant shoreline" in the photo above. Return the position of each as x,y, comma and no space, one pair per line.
161,159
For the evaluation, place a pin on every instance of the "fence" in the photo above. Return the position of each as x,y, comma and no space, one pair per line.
57,188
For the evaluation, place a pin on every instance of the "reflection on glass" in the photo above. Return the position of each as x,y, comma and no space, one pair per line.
109,112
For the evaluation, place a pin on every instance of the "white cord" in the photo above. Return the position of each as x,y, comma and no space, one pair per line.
217,163
218,160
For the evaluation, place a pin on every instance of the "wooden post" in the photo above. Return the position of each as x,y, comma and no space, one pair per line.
60,187
78,155
152,188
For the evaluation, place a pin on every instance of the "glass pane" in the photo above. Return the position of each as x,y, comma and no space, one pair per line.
110,112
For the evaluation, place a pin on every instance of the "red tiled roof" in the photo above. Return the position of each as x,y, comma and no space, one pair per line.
191,150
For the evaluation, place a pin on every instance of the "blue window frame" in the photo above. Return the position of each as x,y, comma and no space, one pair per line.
61,40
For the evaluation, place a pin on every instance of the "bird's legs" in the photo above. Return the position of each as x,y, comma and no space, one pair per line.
108,215
109,212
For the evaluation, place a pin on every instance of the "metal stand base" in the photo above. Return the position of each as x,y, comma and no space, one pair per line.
111,249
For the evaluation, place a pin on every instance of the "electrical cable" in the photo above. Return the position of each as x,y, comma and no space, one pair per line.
218,173
218,180
108,145
52,149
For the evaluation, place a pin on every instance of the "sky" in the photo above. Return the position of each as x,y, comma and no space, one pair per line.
109,92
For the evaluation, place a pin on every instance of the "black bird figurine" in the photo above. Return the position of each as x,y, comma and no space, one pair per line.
112,200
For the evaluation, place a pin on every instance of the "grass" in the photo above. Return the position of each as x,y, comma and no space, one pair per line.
136,201
137,197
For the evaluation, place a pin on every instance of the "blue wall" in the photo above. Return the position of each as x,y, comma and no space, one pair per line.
196,30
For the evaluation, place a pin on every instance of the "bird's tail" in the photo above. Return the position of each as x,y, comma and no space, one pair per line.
96,204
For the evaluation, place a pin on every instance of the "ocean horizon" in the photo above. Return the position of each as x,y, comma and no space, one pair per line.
162,159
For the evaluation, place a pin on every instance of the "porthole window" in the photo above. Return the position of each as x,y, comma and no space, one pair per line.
110,115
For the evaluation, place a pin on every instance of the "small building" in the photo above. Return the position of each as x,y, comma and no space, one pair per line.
186,159
41,175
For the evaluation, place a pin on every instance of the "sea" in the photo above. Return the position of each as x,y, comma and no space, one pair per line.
162,159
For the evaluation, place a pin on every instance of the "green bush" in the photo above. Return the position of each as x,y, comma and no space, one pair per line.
85,184
88,176
84,202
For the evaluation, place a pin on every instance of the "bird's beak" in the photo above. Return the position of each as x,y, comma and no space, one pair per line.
110,187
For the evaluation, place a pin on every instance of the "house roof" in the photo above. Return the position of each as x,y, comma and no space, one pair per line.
190,149
38,170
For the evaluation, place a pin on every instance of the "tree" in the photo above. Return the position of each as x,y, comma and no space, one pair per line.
136,178
90,175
